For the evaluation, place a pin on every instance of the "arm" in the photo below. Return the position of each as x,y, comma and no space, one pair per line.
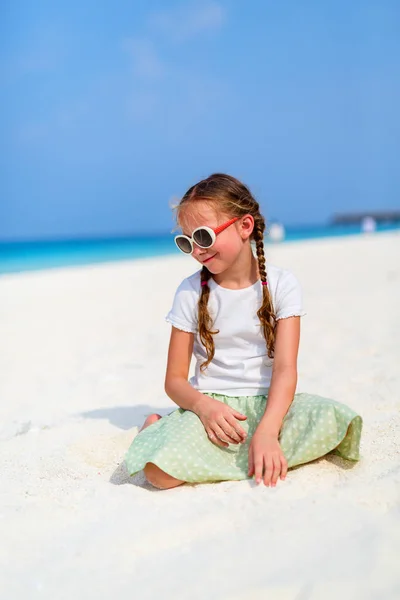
220,421
177,386
284,375
266,459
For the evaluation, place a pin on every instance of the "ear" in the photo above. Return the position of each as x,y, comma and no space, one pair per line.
246,226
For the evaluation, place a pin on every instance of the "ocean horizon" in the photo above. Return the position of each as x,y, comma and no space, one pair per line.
20,256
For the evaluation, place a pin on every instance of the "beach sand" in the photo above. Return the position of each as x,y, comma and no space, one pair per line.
82,363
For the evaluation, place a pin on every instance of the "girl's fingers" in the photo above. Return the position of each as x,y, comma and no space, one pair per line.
238,415
251,464
230,434
283,467
235,425
212,436
222,435
258,467
232,417
233,431
276,469
269,467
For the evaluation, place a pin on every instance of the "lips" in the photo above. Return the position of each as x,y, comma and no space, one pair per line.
211,257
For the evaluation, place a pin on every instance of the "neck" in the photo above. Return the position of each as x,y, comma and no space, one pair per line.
242,273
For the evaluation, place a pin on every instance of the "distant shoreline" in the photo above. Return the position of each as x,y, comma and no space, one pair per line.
387,217
34,256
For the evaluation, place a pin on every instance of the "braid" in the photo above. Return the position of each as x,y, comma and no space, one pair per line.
266,312
205,321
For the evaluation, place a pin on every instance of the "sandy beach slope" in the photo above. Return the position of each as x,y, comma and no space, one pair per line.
82,363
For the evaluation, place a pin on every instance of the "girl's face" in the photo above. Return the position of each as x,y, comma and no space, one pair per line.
229,243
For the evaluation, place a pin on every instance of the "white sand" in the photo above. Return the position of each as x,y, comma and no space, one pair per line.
82,362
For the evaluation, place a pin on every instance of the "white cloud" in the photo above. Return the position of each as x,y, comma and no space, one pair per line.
177,25
164,82
187,21
145,61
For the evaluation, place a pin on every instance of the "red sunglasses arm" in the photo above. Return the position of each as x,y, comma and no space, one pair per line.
225,225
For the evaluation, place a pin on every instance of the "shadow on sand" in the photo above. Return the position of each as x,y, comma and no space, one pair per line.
126,417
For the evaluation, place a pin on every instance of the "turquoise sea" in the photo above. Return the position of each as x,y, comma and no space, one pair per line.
32,256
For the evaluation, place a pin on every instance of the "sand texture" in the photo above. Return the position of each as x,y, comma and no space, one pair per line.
82,362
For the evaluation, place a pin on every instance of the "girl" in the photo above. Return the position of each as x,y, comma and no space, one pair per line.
239,415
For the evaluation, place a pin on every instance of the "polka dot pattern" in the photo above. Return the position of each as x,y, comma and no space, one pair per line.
178,444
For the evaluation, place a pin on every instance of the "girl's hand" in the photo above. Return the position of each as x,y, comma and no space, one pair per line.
266,459
220,422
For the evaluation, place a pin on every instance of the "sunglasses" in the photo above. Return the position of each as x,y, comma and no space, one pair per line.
204,237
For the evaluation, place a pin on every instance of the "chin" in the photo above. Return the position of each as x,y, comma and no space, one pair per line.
215,269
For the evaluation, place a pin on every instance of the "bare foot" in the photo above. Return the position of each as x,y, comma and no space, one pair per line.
150,420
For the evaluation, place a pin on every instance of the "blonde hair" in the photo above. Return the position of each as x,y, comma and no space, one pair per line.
233,198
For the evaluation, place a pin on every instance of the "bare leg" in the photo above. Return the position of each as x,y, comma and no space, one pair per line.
154,475
159,478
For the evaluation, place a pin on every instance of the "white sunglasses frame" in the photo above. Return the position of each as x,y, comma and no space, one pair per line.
213,233
190,239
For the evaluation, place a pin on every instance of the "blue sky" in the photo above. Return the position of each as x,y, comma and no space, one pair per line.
107,113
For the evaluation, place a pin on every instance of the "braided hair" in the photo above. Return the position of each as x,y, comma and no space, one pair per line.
233,198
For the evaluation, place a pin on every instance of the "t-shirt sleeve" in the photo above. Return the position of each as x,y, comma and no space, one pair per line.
289,297
183,314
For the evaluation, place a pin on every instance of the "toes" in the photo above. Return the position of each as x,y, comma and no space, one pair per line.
150,420
153,418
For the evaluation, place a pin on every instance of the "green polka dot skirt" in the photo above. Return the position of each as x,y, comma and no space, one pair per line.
178,443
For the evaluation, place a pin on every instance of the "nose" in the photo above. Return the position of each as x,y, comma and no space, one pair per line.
197,251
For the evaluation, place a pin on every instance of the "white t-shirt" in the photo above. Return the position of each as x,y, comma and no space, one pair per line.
241,366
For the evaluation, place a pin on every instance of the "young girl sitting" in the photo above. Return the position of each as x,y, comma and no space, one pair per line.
239,415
